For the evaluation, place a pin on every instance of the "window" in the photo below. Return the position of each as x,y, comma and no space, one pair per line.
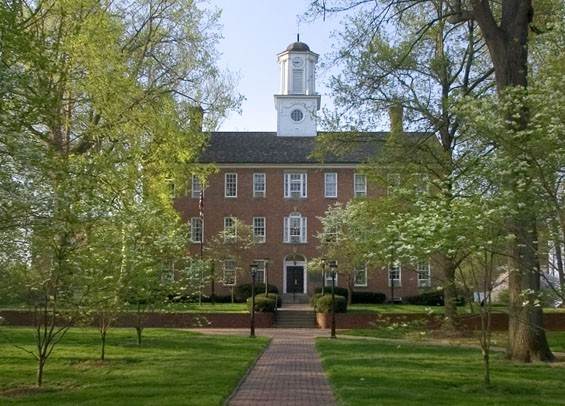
295,228
360,185
229,272
394,274
424,274
196,187
230,230
259,229
295,185
296,115
260,275
331,233
328,277
393,182
231,185
168,270
330,184
259,185
360,276
196,230
297,81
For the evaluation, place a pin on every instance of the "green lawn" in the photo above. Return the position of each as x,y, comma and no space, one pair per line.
373,372
406,308
171,367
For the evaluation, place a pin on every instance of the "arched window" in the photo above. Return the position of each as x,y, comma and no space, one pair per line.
295,228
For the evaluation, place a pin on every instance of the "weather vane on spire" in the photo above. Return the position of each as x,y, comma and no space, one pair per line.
297,28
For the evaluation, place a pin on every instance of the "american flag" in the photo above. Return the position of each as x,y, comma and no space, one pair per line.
201,204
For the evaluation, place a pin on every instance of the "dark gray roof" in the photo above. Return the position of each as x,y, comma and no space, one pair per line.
298,46
268,148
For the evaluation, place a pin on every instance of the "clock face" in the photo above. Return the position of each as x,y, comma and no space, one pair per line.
297,62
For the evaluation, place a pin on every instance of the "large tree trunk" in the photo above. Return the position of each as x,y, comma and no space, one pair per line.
507,42
527,341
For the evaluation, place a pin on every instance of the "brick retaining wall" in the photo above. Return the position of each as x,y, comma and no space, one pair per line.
499,321
552,321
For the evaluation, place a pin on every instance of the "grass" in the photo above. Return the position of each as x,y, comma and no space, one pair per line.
171,367
369,372
406,308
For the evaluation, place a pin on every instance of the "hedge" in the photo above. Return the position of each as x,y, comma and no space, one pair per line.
431,298
243,292
263,304
368,297
324,304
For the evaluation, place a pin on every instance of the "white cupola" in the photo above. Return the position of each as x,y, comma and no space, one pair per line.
298,103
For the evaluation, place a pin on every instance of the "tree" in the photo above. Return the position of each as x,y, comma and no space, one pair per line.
339,240
505,30
230,248
418,67
98,100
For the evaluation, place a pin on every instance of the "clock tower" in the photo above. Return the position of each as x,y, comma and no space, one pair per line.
298,103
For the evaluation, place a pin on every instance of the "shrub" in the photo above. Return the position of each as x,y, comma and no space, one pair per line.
324,304
368,297
337,290
431,298
243,292
263,304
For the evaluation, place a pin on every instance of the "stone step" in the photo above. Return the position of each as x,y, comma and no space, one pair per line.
301,298
293,318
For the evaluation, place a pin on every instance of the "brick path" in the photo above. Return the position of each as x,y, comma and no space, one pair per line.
288,373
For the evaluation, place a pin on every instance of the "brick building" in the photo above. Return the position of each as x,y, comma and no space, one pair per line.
271,181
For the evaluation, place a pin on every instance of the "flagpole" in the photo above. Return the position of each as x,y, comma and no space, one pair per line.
201,213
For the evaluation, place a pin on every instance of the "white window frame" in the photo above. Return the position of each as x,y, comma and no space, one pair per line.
330,184
363,270
259,184
196,187
295,229
296,185
260,273
230,275
230,185
359,185
259,230
396,279
196,227
423,268
328,279
230,222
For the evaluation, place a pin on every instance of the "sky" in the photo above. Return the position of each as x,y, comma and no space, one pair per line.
254,32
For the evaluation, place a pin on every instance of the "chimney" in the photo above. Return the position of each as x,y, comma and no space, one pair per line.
396,118
196,116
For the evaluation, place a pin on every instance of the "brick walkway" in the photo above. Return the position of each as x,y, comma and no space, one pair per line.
288,373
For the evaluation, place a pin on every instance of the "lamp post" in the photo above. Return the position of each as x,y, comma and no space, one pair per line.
323,261
333,272
266,262
253,269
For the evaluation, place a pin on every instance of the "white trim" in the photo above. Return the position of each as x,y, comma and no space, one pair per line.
288,262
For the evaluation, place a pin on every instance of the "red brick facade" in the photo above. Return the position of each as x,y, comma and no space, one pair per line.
274,207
